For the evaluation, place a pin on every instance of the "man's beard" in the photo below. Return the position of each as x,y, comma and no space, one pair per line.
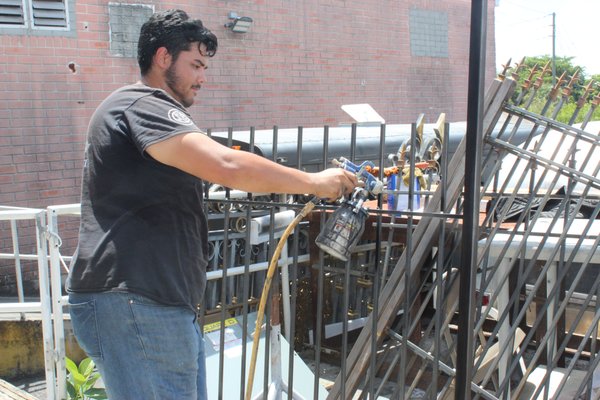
171,79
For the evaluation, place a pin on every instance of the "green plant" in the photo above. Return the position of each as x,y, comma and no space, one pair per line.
81,380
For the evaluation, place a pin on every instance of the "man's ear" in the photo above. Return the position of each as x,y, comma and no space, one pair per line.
162,58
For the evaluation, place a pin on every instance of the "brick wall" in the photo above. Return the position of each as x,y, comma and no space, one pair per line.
297,65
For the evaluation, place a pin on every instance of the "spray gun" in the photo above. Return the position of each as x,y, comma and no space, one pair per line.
344,228
363,172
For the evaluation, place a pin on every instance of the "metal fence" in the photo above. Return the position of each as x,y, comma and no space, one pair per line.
23,307
386,323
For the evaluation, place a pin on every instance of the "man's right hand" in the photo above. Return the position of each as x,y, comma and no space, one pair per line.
333,183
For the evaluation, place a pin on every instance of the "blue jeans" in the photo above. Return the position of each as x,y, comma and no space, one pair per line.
143,349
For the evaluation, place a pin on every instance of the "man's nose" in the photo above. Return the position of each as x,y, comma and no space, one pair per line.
201,76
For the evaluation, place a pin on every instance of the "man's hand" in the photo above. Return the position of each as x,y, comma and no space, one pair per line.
333,183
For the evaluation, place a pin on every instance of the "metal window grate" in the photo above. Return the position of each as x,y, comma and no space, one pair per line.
125,21
11,13
49,13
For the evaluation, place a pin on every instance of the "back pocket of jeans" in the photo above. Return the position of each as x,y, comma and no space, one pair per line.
85,328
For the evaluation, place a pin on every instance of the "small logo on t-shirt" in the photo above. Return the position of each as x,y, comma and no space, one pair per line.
179,117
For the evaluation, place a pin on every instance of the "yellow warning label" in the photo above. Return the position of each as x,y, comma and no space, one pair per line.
217,325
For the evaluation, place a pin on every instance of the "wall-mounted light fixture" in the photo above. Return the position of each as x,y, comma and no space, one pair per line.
238,24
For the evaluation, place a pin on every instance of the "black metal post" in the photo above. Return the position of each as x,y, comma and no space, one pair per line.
470,234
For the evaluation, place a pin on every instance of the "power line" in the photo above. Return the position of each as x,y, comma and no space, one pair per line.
521,6
525,21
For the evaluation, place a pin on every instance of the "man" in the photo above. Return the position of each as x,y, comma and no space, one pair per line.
138,275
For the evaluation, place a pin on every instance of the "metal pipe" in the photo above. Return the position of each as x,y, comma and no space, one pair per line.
246,285
17,258
294,281
54,243
45,302
377,261
225,209
318,326
471,207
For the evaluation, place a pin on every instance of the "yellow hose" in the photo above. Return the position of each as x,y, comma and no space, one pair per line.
267,286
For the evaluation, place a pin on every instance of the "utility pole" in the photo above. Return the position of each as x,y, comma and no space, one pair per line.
553,48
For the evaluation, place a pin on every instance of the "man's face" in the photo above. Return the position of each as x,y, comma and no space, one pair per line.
185,76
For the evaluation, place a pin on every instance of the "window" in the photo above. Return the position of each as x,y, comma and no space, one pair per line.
34,14
428,33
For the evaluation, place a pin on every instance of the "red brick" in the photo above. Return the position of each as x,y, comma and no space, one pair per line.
284,72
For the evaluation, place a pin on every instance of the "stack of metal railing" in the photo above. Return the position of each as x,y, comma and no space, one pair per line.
536,316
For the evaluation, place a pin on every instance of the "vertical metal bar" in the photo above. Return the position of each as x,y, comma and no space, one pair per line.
224,281
377,261
411,170
285,287
318,328
294,280
444,169
17,258
407,281
246,282
275,339
45,301
344,315
274,141
57,304
293,301
471,207
206,188
353,142
441,284
346,286
275,282
285,282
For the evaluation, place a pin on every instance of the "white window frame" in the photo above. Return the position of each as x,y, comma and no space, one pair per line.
29,22
25,16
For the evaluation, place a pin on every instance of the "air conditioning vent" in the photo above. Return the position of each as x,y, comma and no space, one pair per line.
11,12
49,13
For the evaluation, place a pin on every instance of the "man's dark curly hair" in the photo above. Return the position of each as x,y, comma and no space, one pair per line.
174,30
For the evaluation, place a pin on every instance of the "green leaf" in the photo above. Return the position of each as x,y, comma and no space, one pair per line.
71,367
95,393
78,379
86,366
71,391
75,376
91,380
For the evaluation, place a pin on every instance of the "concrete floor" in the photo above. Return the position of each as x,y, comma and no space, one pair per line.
36,386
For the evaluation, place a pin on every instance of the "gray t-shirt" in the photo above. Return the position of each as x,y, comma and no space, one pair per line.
142,228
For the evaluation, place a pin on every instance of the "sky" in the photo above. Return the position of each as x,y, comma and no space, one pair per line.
524,28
